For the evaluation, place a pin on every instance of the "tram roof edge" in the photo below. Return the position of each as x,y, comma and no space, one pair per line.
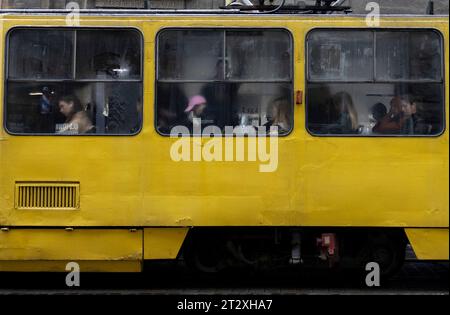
191,12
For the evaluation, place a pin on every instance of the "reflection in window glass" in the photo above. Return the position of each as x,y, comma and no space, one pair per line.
190,55
405,98
408,56
108,55
42,54
87,102
258,55
340,55
250,90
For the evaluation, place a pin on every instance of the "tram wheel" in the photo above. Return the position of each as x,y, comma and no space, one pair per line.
205,255
388,253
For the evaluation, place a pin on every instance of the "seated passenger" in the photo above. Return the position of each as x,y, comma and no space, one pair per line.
77,120
347,116
378,111
196,111
400,119
278,116
409,110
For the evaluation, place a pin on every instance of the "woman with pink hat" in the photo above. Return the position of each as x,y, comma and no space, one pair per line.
197,104
196,108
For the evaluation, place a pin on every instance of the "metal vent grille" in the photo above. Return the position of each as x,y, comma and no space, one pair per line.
42,196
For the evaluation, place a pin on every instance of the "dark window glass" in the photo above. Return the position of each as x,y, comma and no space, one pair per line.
108,55
340,56
97,108
261,104
87,102
173,101
406,98
190,55
243,105
375,109
43,54
252,89
408,56
259,55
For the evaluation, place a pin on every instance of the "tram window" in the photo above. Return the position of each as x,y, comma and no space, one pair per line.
261,104
250,105
405,96
108,55
46,54
99,108
367,109
248,91
336,56
174,101
190,55
408,56
95,97
258,55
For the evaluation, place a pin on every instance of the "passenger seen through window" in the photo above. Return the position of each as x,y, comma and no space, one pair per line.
77,120
343,87
233,76
66,81
400,118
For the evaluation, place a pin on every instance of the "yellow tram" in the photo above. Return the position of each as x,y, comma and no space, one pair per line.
344,155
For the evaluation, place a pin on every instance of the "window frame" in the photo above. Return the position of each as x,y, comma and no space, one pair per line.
442,82
73,79
290,81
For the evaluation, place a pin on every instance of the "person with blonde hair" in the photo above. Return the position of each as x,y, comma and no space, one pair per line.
347,116
279,116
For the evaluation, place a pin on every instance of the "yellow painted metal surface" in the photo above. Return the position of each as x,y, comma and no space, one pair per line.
132,181
76,245
163,243
60,266
429,244
47,196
